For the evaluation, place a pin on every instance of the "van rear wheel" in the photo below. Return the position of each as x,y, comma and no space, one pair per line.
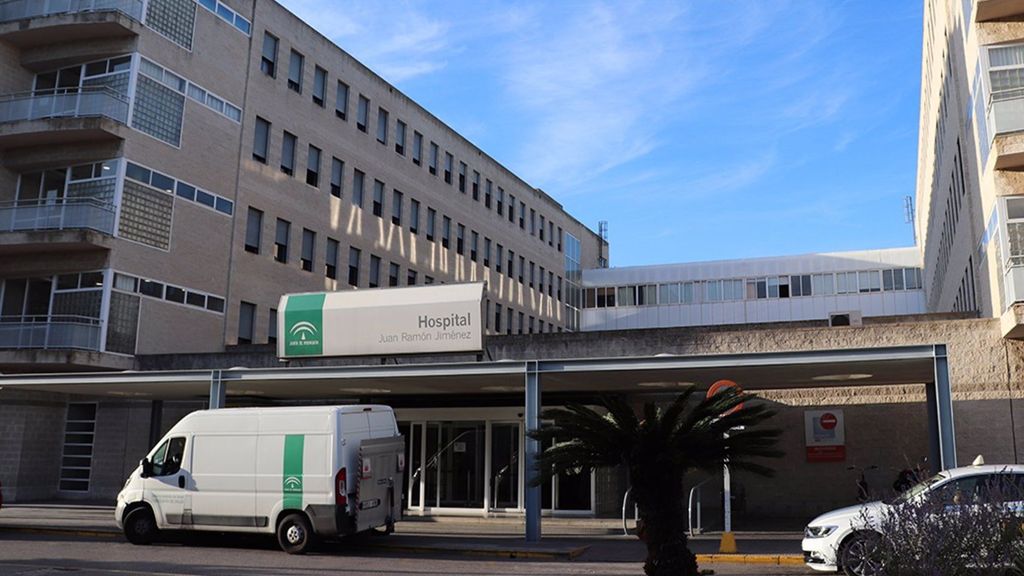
140,526
294,534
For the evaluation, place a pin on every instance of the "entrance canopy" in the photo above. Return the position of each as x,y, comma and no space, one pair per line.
924,365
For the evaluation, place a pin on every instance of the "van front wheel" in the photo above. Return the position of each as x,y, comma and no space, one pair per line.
294,534
140,526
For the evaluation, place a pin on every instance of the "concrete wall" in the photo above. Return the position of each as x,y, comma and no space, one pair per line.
31,425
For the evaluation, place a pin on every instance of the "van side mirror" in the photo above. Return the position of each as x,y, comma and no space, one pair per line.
147,468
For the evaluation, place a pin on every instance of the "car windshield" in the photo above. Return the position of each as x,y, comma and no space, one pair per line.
919,488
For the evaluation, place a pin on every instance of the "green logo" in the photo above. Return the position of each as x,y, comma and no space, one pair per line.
291,478
304,325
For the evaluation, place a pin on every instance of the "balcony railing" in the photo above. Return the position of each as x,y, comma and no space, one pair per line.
58,214
64,103
11,10
1006,111
50,332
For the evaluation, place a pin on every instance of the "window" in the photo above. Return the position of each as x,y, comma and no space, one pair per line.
378,198
331,259
446,231
822,284
497,319
551,233
487,194
353,266
374,271
363,113
417,148
319,86
462,177
288,153
433,159
474,240
869,281
449,161
400,137
533,273
357,187
487,252
542,226
508,323
913,278
272,326
533,222
246,322
510,269
800,285
313,166
522,215
261,140
521,316
460,239
281,240
253,230
501,201
268,64
382,126
295,72
410,277
511,208
308,247
414,216
476,185
551,283
393,273
341,101
431,217
522,268
559,238
846,282
337,173
540,281
396,207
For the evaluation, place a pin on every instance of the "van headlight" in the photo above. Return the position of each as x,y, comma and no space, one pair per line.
819,531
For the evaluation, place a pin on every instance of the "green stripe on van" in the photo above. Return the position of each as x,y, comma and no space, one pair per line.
291,479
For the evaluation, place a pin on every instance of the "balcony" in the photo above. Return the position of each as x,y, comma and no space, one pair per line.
60,117
26,23
50,332
989,10
66,225
1006,123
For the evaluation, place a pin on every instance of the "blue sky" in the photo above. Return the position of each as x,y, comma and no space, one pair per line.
699,130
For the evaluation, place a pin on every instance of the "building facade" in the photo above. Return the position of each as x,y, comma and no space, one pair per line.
171,167
842,288
970,195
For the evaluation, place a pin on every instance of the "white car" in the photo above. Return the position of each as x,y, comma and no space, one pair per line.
841,539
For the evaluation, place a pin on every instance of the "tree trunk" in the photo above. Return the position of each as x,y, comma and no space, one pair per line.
664,533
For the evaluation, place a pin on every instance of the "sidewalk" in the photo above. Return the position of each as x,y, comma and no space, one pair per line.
595,540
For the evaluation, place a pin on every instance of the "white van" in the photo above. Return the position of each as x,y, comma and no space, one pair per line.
299,472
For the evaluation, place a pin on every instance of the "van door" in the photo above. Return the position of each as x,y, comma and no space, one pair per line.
166,484
380,482
223,482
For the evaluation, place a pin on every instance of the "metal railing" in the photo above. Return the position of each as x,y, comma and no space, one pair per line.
58,214
11,10
64,103
49,332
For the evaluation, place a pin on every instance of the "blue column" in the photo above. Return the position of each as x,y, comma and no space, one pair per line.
218,389
944,409
532,504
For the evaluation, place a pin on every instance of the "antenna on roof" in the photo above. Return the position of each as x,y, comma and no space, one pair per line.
908,215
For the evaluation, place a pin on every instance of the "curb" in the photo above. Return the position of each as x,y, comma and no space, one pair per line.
62,531
774,559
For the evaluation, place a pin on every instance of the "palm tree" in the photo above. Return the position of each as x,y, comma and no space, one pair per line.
657,451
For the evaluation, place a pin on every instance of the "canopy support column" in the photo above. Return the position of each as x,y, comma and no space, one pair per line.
939,396
218,390
533,500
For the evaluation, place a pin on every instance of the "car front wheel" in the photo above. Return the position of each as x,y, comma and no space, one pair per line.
140,526
859,555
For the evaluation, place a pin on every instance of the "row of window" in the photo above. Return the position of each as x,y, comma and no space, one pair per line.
480,189
182,189
528,272
828,284
190,89
228,15
168,292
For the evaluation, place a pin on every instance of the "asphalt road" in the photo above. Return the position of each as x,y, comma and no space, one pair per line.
25,554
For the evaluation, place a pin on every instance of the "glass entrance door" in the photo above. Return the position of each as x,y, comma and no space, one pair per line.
504,465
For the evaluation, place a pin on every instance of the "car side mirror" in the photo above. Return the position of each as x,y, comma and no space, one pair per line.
147,468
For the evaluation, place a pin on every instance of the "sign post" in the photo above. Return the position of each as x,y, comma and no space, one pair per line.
728,543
